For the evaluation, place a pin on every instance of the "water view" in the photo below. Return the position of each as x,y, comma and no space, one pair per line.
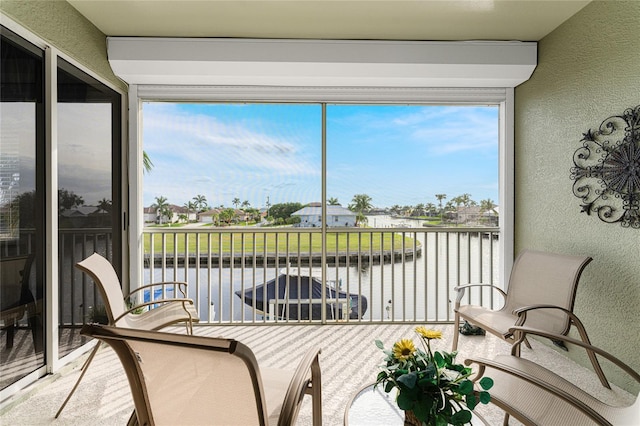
413,289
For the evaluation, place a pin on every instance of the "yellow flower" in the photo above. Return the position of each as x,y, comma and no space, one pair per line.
403,349
429,334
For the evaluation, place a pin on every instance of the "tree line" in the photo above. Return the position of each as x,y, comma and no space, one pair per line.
280,213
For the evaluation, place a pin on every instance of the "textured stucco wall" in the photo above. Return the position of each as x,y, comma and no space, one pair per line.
59,24
589,69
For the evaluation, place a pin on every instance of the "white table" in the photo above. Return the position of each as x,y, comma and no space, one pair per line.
372,406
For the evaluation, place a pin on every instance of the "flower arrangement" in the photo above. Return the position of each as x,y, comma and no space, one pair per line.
431,386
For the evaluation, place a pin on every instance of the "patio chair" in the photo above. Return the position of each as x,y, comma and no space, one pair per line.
534,395
542,291
159,313
179,380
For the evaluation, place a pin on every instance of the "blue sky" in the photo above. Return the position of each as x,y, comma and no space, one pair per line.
396,154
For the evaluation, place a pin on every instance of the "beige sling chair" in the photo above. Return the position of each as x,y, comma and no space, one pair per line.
151,315
194,380
542,292
534,395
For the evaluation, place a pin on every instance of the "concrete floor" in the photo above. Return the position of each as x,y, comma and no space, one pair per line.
349,361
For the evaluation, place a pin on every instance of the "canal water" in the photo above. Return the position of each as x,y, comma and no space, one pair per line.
446,261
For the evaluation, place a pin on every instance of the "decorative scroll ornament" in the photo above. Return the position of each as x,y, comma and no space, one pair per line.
607,170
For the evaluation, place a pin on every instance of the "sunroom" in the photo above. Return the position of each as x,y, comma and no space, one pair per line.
85,86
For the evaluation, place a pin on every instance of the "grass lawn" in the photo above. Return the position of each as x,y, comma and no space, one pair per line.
226,242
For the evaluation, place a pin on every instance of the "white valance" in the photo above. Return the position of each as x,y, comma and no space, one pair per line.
321,63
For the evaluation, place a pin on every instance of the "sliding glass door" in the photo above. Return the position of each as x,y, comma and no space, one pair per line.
21,209
89,206
87,148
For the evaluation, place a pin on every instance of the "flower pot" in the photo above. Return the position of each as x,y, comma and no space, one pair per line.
410,419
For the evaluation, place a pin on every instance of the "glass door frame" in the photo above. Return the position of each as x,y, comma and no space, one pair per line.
53,362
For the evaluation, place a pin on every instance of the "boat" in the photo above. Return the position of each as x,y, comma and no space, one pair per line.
296,294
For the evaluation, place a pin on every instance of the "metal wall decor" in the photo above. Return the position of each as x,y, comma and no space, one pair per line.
607,170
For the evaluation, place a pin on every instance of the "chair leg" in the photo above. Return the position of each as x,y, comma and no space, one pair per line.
133,420
84,369
592,355
316,393
10,332
456,332
505,420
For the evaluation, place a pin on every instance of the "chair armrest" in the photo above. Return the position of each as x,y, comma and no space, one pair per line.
182,287
461,289
521,312
483,363
183,301
587,346
522,317
302,384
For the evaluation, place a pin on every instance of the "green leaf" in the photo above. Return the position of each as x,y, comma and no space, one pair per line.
486,383
485,397
442,420
428,374
465,387
437,357
458,367
388,387
471,401
379,344
405,401
461,417
423,409
409,380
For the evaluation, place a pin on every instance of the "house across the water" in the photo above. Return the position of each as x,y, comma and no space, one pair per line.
311,216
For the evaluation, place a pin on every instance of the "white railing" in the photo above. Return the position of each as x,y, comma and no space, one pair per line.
360,275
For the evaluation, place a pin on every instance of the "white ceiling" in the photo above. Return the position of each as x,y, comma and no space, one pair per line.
523,20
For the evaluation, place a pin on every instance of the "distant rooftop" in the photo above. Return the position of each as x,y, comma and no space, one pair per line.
317,211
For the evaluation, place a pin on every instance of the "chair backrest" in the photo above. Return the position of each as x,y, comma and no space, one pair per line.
107,282
545,278
183,379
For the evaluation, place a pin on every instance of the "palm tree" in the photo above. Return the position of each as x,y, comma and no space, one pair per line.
245,204
487,206
462,200
201,202
441,197
105,205
458,201
430,207
360,204
147,164
162,208
227,215
333,201
190,206
236,202
467,201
